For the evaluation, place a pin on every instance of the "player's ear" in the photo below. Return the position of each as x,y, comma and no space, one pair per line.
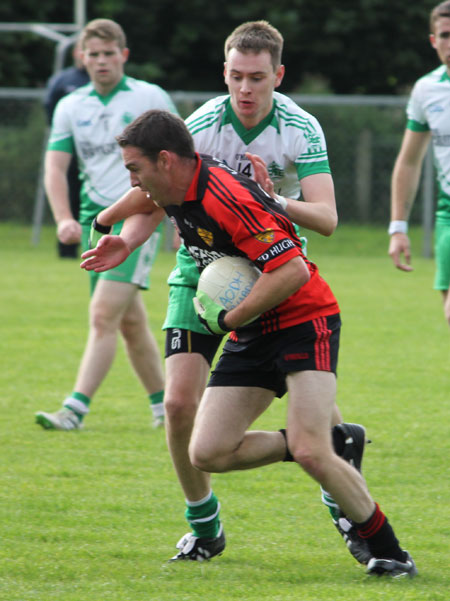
225,71
125,54
433,40
164,159
279,74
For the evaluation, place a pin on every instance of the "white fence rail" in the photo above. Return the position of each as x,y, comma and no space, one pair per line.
363,136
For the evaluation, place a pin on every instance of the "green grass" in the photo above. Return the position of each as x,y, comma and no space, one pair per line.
93,516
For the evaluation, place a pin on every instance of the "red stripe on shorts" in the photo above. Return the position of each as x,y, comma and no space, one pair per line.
322,344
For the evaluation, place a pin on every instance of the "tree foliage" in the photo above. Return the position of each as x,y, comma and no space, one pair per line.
347,47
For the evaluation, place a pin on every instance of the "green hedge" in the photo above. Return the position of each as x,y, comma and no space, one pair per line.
22,137
363,142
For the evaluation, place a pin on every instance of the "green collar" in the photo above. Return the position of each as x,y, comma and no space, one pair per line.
122,86
445,76
248,135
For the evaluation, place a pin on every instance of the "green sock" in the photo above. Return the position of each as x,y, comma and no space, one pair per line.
78,403
156,403
203,516
331,504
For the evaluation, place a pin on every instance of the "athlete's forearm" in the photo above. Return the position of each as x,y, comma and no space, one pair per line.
138,228
132,202
320,217
406,173
404,186
317,210
57,190
269,291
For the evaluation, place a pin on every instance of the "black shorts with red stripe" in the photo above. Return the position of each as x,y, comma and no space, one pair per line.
264,361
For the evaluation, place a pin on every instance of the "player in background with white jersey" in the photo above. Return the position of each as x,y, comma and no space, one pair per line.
87,122
250,128
428,114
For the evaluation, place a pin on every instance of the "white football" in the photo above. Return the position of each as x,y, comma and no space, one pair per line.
228,280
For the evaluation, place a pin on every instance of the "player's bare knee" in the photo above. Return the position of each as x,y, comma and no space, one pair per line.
179,409
206,461
200,461
310,461
131,326
99,321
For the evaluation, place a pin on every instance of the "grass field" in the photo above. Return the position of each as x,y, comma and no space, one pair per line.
94,515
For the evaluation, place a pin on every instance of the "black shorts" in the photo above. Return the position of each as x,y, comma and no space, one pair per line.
185,341
265,360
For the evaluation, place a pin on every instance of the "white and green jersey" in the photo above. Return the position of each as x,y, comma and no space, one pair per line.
87,123
289,139
429,110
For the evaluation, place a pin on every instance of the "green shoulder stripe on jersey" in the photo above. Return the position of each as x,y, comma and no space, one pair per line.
416,126
291,118
204,121
313,157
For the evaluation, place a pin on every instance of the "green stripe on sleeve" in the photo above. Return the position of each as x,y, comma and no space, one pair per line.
65,145
416,126
303,170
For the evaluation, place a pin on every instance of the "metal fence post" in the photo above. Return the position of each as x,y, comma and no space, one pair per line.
428,203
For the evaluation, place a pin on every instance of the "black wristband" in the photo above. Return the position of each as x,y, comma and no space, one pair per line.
221,321
98,227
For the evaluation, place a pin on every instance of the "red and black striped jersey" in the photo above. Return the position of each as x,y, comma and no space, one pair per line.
225,213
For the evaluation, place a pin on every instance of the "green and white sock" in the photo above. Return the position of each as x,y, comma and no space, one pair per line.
203,516
78,403
156,403
329,502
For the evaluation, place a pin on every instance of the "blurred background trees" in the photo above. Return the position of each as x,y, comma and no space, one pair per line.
343,47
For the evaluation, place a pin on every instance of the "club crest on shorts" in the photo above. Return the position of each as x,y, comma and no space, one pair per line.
267,236
206,236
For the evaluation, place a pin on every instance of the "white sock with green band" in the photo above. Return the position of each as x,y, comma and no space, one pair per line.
78,403
156,403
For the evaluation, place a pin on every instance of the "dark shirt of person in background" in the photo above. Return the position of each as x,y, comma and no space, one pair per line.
59,85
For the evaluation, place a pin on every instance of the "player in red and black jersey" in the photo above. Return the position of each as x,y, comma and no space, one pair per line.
234,216
293,345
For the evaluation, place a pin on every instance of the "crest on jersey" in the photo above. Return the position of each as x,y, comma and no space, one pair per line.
275,171
127,118
267,236
206,236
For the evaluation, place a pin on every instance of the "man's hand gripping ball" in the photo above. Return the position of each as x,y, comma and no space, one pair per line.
210,314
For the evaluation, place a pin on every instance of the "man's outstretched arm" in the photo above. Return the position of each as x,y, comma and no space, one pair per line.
111,251
132,202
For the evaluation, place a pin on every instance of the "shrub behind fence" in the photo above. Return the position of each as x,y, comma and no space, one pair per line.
363,137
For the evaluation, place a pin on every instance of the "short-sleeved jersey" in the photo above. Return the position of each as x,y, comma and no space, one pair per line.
88,123
289,139
429,110
227,213
61,84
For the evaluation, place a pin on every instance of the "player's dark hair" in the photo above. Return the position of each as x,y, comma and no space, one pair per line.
441,10
256,36
106,30
158,130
